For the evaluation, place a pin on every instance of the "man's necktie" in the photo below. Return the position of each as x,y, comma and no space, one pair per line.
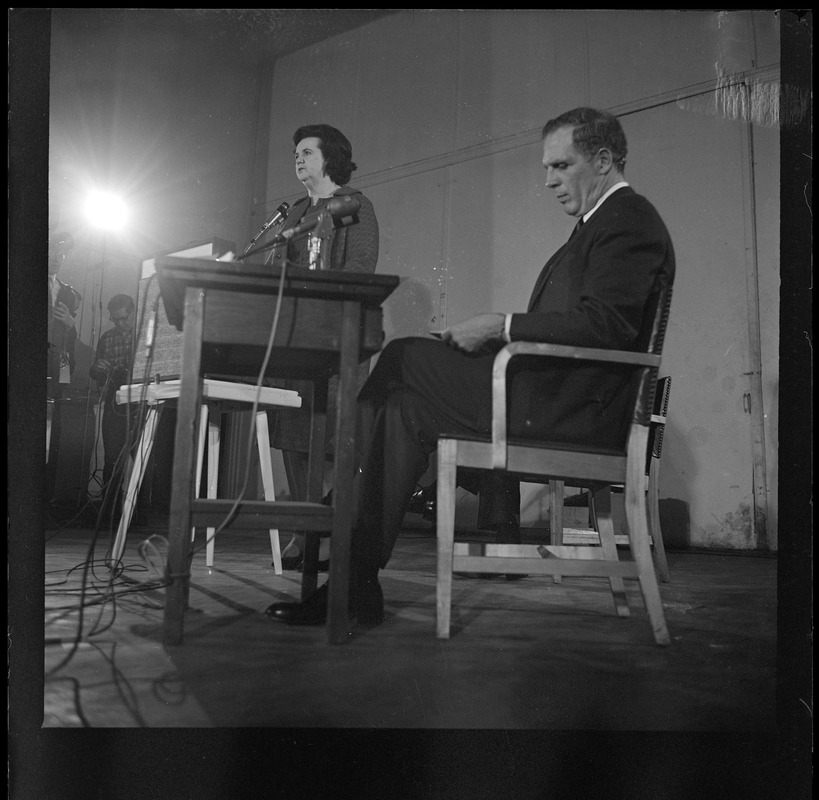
577,227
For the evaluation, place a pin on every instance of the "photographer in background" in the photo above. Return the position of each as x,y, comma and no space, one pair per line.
110,370
63,302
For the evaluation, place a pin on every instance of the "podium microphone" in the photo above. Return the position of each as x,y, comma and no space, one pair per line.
278,216
343,210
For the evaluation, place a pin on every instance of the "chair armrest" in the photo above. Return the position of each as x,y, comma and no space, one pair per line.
506,354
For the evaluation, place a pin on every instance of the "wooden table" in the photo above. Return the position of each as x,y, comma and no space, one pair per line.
328,323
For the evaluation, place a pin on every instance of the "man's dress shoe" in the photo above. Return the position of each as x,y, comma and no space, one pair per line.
422,502
365,605
312,611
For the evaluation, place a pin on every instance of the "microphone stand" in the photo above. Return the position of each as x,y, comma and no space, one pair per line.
279,217
319,251
255,239
321,229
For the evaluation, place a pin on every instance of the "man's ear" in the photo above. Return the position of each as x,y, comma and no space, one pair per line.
604,160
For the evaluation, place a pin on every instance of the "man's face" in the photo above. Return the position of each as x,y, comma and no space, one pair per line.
309,160
123,320
574,178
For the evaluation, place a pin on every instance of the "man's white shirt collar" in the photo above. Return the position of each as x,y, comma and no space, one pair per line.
599,203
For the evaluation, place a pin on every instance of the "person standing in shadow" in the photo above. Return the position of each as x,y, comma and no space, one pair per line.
63,303
111,368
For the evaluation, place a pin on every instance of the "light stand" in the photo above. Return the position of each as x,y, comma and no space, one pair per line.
104,211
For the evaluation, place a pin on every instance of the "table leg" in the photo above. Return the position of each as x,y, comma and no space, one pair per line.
315,476
187,434
337,622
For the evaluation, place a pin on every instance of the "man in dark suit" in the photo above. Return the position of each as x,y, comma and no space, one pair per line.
591,293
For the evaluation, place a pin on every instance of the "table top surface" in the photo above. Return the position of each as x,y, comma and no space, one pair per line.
176,274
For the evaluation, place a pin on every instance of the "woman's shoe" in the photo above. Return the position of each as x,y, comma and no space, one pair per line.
291,562
295,557
323,566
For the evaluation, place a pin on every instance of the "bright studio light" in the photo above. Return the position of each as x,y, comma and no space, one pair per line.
105,210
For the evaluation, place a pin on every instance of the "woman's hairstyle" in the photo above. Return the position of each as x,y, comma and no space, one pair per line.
592,129
335,147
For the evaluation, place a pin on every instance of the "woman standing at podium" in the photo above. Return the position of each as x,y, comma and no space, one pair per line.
324,163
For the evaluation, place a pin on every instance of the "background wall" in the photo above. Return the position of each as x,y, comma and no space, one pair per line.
444,111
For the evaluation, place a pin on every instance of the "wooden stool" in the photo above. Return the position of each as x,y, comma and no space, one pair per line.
216,395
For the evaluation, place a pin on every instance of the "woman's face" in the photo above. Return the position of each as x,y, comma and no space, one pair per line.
309,160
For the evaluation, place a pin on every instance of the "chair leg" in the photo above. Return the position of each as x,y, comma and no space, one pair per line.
600,507
653,503
637,522
263,440
200,456
214,442
445,532
556,492
146,443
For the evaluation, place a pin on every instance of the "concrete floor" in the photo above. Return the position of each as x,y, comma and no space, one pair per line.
540,692
530,654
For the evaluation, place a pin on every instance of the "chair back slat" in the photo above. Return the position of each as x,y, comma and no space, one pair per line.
650,340
661,408
656,430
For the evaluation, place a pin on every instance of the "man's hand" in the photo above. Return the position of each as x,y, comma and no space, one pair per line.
100,369
472,334
63,315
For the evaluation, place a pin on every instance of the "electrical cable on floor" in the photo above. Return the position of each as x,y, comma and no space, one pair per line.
111,591
146,548
169,697
130,701
76,691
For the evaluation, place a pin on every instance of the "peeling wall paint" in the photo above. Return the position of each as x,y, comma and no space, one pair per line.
735,529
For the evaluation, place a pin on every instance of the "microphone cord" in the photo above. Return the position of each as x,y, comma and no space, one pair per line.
259,382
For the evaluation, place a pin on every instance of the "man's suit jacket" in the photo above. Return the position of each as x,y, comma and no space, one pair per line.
591,293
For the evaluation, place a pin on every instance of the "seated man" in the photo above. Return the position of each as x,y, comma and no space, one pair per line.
591,293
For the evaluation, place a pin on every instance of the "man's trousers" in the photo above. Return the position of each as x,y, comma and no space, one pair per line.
418,390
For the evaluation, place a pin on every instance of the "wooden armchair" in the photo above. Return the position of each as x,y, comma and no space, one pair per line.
588,466
652,488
